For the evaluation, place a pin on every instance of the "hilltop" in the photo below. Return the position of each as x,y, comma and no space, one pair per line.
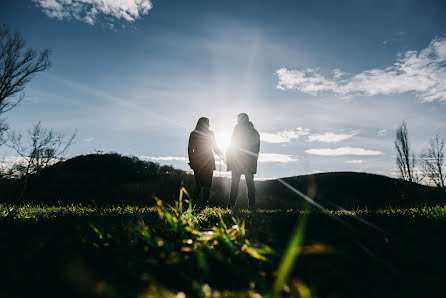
115,179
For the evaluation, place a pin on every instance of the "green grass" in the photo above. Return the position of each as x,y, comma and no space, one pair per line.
128,251
40,211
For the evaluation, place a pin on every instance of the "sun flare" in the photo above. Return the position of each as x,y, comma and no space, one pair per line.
223,140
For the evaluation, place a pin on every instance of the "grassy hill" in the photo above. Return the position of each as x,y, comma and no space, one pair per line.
115,179
109,247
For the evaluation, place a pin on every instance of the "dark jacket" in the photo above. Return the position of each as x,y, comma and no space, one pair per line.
244,151
201,144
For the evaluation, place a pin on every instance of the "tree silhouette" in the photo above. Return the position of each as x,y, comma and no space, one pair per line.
3,129
17,66
432,160
405,159
44,147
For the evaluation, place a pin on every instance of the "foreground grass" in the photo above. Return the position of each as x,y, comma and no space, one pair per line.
128,251
44,212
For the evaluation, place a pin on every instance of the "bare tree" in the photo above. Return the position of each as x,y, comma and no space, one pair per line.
43,148
405,159
17,66
432,159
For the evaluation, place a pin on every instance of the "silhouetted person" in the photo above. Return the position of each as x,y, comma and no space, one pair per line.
242,157
201,144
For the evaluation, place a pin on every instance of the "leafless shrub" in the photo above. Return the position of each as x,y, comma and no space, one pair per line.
43,147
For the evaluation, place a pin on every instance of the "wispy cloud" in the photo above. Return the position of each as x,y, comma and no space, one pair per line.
9,161
343,151
285,136
420,72
355,161
263,157
382,132
274,157
89,139
330,137
165,158
88,10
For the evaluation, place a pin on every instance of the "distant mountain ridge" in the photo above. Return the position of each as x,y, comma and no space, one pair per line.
115,179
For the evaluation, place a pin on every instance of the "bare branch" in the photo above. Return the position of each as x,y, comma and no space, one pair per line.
42,148
432,160
3,130
17,67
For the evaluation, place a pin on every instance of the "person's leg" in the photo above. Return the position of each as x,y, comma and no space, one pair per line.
207,184
251,190
235,182
206,192
198,185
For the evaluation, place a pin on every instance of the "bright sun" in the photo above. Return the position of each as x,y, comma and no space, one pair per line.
223,140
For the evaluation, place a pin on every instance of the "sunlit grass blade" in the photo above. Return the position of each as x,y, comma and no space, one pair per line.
291,254
301,288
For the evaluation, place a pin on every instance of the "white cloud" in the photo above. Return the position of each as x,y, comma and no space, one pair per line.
263,157
165,158
8,162
87,10
355,161
330,137
274,157
420,72
382,132
337,73
284,136
89,139
343,151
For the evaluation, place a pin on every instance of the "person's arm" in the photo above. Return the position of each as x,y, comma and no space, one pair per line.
257,144
215,147
190,149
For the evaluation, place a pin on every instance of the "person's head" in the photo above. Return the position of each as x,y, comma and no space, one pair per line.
202,124
242,118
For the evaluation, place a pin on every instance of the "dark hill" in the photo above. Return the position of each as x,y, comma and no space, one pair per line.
99,178
352,190
116,179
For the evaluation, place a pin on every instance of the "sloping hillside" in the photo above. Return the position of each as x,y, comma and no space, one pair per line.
116,179
352,190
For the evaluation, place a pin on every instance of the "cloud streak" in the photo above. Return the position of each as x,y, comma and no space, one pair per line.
330,137
355,161
285,136
278,158
343,151
263,157
88,10
422,73
382,132
165,158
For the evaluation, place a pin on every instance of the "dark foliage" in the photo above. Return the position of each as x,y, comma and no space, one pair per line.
65,257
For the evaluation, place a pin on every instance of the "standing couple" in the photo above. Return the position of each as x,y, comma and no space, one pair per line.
241,159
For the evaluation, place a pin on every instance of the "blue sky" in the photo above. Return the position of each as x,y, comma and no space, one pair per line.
325,84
